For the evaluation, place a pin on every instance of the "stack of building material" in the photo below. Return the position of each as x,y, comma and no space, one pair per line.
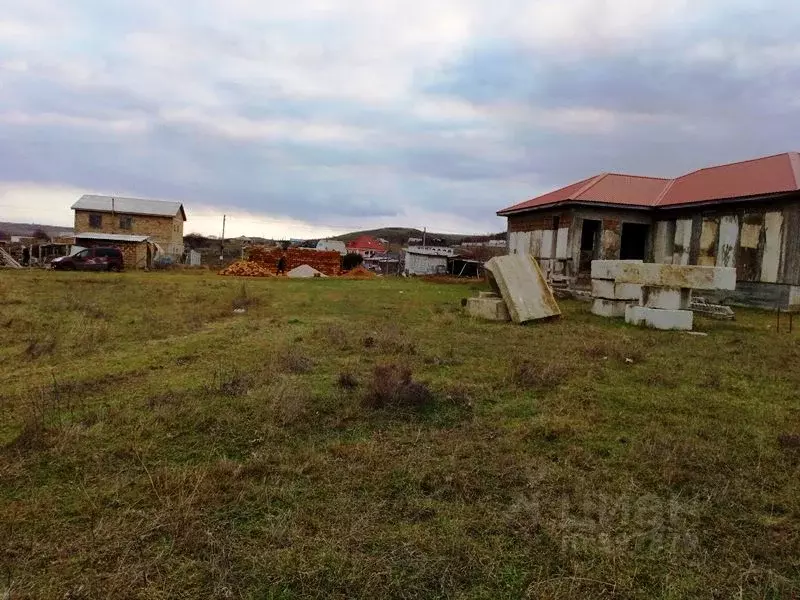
609,298
521,283
246,268
328,263
304,272
666,296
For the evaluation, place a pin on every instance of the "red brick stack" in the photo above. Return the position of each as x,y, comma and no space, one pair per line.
327,263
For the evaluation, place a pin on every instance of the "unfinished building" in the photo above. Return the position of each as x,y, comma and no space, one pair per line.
744,215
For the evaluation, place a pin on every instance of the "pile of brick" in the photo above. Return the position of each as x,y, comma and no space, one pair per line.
327,263
246,268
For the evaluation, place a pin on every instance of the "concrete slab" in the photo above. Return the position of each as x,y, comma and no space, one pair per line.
491,309
608,289
611,309
488,295
656,318
666,298
673,276
521,283
607,269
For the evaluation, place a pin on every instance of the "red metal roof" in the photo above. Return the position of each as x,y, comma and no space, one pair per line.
366,242
757,177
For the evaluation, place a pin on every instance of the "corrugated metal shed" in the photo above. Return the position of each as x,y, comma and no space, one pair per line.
133,206
111,237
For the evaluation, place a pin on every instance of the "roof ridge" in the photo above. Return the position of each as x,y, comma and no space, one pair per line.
593,181
736,162
665,191
794,163
639,176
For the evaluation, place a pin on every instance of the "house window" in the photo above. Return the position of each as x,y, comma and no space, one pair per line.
95,221
126,222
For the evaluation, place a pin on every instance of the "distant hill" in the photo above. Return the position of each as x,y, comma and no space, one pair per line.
400,235
28,229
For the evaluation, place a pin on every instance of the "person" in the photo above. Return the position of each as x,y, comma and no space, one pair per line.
26,256
281,265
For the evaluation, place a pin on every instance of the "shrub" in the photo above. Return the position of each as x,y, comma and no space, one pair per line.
393,387
351,260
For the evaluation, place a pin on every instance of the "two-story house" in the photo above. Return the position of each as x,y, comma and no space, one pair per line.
140,228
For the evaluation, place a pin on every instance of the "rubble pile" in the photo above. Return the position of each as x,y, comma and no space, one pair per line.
360,272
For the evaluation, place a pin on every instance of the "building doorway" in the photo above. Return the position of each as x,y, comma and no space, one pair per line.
590,244
633,245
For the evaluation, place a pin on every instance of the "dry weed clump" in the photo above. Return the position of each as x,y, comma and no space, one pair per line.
294,361
347,380
538,373
392,386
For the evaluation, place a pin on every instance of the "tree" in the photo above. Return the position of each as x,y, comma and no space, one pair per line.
41,234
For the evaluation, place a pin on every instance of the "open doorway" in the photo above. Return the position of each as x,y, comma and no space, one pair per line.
590,244
633,245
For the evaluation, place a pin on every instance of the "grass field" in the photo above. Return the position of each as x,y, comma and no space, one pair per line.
364,439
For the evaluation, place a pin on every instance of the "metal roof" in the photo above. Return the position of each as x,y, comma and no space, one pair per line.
757,177
111,237
133,206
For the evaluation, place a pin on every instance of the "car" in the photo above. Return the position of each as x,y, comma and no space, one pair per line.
91,259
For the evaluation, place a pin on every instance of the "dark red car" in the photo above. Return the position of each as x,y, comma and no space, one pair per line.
91,259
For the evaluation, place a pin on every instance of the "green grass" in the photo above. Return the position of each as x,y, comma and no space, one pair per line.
153,444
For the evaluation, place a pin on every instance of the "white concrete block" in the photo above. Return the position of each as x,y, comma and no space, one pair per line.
794,296
491,309
773,225
536,243
659,319
666,298
488,295
674,276
683,242
608,289
611,309
608,269
547,244
728,238
562,250
664,241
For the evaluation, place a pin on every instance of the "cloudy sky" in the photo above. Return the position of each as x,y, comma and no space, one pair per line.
312,117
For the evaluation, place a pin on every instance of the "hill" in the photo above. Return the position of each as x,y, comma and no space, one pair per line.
400,236
28,229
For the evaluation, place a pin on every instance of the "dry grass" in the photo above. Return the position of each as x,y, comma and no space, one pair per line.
340,439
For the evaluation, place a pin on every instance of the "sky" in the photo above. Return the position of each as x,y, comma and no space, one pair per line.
315,117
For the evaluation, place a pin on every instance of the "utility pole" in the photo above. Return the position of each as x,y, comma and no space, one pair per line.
222,241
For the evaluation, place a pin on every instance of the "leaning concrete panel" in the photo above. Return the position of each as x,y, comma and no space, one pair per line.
675,276
659,319
523,287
